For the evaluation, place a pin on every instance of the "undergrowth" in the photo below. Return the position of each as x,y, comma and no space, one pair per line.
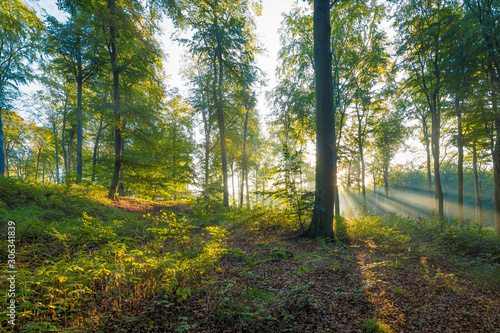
474,248
79,260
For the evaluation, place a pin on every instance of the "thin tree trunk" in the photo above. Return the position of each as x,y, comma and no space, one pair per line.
121,184
386,178
248,193
70,151
37,164
244,157
232,180
79,141
43,171
7,163
2,148
460,166
479,205
496,164
207,129
362,162
54,133
96,146
425,129
436,133
218,81
349,177
63,143
115,179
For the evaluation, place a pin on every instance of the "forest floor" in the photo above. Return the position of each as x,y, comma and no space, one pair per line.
274,281
88,264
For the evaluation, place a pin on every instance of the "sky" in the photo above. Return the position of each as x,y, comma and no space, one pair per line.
267,29
267,26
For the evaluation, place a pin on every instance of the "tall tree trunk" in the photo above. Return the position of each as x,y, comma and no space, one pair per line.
63,142
435,137
2,149
362,162
7,162
244,157
361,157
54,133
43,171
232,180
207,129
218,81
322,220
121,184
496,163
479,205
96,147
79,141
70,151
425,129
174,160
115,179
37,164
248,192
386,179
460,166
349,177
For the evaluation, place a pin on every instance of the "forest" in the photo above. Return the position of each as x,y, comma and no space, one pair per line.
352,187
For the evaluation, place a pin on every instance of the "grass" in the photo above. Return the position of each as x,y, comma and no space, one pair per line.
474,251
375,326
85,265
78,257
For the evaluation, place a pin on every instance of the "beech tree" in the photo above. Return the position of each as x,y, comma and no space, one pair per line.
224,38
74,47
424,35
20,31
322,220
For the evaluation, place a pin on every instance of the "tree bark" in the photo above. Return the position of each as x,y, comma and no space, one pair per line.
244,157
70,151
479,205
322,220
496,164
207,129
63,143
54,133
460,165
96,147
435,137
79,126
425,129
115,179
2,150
218,81
37,163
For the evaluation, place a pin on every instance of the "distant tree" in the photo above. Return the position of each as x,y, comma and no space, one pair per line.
73,45
225,40
389,133
424,38
486,14
20,31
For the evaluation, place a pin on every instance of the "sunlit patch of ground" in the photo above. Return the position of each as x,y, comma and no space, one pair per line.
418,294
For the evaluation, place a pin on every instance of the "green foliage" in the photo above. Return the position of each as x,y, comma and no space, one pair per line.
375,326
288,191
99,258
397,232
